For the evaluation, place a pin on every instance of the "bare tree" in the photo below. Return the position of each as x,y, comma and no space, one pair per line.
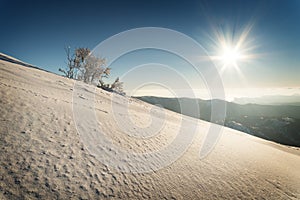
72,65
82,53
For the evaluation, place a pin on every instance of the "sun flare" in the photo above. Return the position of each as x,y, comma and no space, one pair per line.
230,56
233,49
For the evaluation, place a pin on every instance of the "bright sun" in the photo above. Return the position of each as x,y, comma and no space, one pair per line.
230,56
232,48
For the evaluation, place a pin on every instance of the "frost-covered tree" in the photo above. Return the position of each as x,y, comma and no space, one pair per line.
104,74
82,65
117,86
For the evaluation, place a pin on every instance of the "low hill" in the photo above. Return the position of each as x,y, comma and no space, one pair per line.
279,123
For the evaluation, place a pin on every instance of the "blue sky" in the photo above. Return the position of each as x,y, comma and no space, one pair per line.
37,31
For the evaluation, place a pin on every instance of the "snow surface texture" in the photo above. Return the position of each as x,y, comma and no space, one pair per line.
45,156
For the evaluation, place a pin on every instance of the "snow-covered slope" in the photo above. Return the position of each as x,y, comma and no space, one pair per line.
45,156
10,59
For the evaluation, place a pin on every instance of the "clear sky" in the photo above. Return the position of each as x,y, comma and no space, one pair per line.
37,32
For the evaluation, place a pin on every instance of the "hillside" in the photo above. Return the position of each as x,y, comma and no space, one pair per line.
43,156
279,123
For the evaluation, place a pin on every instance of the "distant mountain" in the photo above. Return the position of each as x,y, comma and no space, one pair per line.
271,100
279,123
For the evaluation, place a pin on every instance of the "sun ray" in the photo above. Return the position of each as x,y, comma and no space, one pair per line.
233,47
